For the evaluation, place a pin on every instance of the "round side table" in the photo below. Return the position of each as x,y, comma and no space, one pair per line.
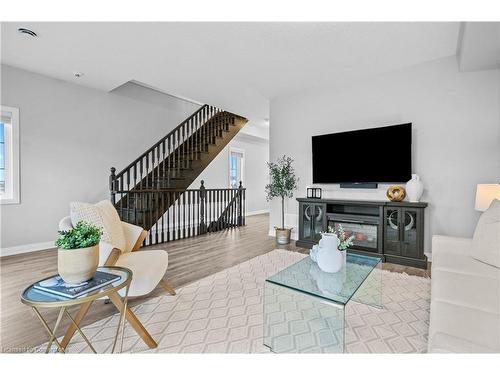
36,299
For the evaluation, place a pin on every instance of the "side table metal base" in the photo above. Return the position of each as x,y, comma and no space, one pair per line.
64,311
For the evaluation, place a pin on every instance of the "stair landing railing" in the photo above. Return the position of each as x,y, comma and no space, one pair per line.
182,213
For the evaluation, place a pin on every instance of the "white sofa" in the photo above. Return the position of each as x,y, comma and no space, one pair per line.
465,292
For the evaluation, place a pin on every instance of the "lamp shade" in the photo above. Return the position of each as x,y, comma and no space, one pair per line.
485,193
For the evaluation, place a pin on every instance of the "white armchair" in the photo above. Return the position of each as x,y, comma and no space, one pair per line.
148,266
148,270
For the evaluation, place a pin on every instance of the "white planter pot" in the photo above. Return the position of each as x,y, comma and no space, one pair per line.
77,265
327,254
283,236
414,188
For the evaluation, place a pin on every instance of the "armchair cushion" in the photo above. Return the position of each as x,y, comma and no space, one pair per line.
102,215
132,234
148,268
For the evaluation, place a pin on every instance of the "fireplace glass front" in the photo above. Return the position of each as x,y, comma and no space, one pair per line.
365,234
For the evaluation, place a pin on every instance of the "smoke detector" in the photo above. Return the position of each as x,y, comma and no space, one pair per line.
29,32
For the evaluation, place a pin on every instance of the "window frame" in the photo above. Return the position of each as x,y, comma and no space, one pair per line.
239,151
11,139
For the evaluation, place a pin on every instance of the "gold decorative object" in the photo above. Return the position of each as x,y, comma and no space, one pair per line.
396,193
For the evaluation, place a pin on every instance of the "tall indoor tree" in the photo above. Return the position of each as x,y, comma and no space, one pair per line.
282,184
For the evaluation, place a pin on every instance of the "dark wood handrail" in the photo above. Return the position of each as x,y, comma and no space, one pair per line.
172,190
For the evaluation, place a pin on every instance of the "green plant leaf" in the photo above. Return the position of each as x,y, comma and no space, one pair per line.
82,235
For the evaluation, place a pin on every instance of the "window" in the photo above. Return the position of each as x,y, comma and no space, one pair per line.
236,166
9,155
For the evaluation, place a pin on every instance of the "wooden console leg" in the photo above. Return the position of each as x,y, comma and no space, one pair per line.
166,285
72,328
132,319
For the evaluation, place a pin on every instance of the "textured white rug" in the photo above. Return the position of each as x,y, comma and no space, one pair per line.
223,313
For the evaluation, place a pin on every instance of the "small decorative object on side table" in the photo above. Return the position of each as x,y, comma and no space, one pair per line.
78,254
282,184
396,193
36,298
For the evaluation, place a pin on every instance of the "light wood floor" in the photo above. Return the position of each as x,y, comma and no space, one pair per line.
189,260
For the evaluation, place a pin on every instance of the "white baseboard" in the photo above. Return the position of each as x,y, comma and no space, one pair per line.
14,250
258,212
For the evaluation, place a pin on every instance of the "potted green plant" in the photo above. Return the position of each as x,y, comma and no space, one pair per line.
282,184
78,253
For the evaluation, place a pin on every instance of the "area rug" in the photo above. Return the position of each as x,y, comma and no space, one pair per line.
223,313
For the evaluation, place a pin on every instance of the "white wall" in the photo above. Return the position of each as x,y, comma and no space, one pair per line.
456,138
69,138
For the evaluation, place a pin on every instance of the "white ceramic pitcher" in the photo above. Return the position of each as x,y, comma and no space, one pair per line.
327,254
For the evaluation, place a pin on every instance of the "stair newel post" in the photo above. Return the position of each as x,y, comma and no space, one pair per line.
203,228
240,204
112,185
244,208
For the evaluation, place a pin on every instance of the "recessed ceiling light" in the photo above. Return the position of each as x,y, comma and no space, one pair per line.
29,32
78,74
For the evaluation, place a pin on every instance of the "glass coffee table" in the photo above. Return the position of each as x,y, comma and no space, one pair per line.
304,307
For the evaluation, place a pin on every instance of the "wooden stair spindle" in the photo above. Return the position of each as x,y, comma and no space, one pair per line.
112,188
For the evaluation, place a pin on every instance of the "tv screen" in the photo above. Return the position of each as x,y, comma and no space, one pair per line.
369,155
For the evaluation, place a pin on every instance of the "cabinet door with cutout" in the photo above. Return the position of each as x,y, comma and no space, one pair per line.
392,232
306,218
319,221
410,228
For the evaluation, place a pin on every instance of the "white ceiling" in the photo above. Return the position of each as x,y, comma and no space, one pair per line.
237,66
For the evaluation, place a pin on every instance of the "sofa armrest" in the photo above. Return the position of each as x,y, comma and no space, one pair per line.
448,244
134,235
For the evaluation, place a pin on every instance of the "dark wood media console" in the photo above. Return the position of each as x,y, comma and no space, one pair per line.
393,231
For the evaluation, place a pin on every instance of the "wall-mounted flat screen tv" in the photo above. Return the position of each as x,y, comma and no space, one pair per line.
362,156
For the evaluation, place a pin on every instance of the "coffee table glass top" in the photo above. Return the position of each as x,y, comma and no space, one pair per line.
305,276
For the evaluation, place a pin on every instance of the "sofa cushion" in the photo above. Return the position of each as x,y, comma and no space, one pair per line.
443,343
473,291
486,240
464,324
102,216
462,264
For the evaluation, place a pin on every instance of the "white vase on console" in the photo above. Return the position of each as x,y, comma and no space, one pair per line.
414,188
327,255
